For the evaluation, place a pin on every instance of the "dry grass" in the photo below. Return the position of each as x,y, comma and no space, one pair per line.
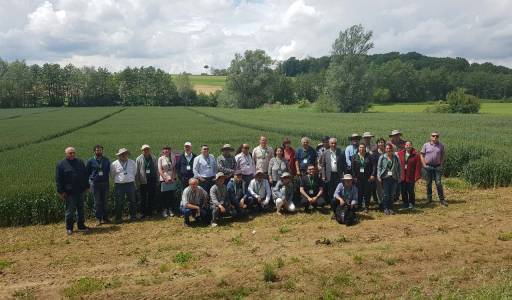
454,252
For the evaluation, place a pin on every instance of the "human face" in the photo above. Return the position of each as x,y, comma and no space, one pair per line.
98,152
279,152
287,145
362,149
367,140
238,177
123,156
245,148
333,144
166,151
188,149
286,180
220,181
226,152
347,183
395,138
311,170
305,144
381,145
146,151
263,142
205,150
389,149
355,141
259,176
193,184
408,146
70,154
326,144
434,138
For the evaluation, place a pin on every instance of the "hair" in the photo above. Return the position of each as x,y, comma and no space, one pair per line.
333,139
408,141
279,147
69,149
304,139
311,165
97,147
381,140
389,144
192,180
362,144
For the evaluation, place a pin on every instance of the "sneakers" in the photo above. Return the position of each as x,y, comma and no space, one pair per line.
69,232
444,203
387,212
411,206
171,214
214,225
164,213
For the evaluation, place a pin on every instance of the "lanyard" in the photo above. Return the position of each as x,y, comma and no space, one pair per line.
311,182
263,153
99,167
207,161
147,163
125,166
361,160
258,187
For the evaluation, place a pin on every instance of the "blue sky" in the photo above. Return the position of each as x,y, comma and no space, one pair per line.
185,35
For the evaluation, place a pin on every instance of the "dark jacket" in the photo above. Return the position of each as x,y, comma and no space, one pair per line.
93,168
370,169
325,164
413,172
182,164
235,197
71,176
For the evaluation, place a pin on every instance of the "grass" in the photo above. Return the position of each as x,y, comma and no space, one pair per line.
505,236
82,287
486,108
182,257
218,81
4,264
269,273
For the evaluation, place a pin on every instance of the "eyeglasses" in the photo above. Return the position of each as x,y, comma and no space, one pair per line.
206,149
435,136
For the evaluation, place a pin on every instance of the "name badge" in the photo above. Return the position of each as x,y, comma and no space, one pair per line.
148,171
188,168
305,160
361,170
390,173
209,167
100,173
405,167
311,192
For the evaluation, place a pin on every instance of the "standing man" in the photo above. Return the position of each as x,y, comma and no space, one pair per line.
205,168
312,190
98,170
72,183
245,164
376,189
304,156
333,166
351,150
185,164
194,202
320,151
123,171
395,138
367,140
432,159
262,155
146,180
226,162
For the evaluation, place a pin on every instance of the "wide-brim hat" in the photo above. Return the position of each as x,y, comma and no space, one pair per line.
395,132
286,175
227,147
347,177
259,172
122,151
219,175
368,134
354,136
145,146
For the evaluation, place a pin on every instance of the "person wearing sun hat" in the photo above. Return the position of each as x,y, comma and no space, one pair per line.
123,171
395,138
283,194
351,149
146,180
219,200
367,140
226,162
346,193
259,192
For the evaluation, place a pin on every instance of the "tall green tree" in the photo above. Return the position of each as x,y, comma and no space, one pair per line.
348,82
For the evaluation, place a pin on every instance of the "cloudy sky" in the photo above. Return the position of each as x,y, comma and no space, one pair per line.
185,35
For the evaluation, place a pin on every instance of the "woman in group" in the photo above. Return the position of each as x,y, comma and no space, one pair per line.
363,172
289,156
388,172
277,166
411,171
166,167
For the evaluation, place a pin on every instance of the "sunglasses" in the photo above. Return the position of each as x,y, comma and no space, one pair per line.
435,136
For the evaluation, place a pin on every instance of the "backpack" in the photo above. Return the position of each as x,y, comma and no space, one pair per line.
345,215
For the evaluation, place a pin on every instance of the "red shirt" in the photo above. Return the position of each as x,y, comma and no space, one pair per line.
289,156
412,171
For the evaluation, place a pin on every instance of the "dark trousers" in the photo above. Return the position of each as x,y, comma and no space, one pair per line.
398,188
75,206
187,212
434,174
247,179
332,184
123,192
320,202
363,192
169,201
389,185
207,184
99,192
408,195
147,197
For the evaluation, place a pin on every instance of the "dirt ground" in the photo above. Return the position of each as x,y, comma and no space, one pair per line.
456,252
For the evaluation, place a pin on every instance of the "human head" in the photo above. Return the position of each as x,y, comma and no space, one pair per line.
98,150
389,148
123,154
408,145
287,143
227,149
238,176
259,175
205,150
354,139
305,142
70,153
395,136
347,180
434,137
381,143
362,148
187,147
146,150
166,150
333,142
220,178
285,178
311,170
279,152
263,141
245,148
193,182
325,142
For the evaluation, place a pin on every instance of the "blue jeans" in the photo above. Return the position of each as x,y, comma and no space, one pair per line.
75,204
124,191
187,212
389,185
434,173
99,192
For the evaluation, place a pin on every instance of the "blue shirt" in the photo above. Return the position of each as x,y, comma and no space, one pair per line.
98,170
305,158
349,152
348,195
204,166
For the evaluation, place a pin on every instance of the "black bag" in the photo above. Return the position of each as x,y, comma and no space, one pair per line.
345,215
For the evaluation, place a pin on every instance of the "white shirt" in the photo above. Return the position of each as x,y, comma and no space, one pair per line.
123,172
261,189
245,164
334,162
204,166
261,157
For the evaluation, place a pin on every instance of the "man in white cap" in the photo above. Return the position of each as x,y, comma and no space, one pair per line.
123,171
185,164
262,155
72,183
351,150
219,200
226,162
205,168
259,191
345,194
283,194
146,180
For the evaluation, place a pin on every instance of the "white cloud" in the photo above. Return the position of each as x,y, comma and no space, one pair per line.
185,35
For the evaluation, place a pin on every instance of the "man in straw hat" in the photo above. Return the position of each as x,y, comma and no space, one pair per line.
226,162
146,180
123,171
351,149
259,192
219,200
283,194
367,140
72,183
395,138
345,198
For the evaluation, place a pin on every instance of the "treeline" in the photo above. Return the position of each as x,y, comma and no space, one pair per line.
410,77
23,85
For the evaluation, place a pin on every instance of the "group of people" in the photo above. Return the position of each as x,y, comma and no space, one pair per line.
265,178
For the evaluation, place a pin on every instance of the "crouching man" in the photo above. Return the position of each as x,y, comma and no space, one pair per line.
345,201
194,202
220,203
283,194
